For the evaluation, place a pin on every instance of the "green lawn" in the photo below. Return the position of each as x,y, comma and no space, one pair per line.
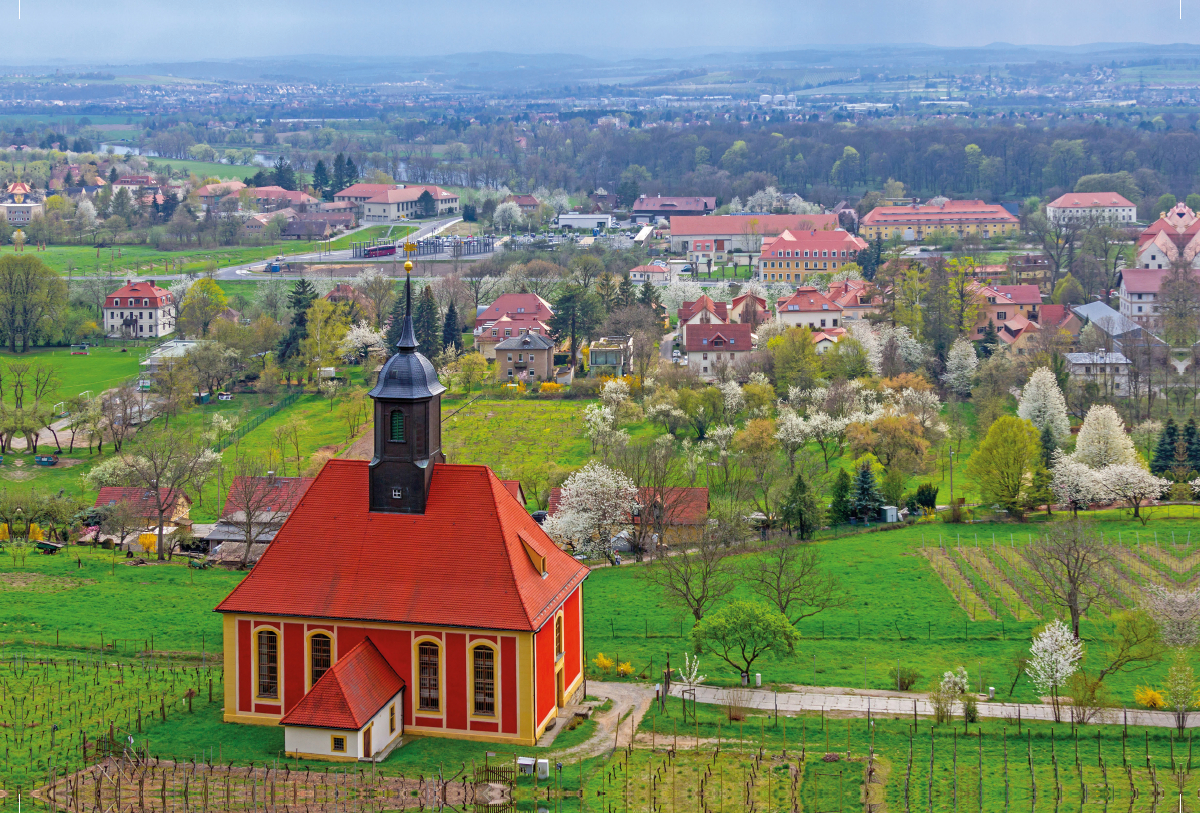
206,169
102,369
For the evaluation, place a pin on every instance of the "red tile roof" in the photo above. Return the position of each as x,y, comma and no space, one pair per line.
689,309
667,205
812,240
734,337
462,563
364,190
1087,200
516,305
688,506
140,498
734,225
806,299
950,212
514,488
1020,294
274,495
1143,280
350,693
139,291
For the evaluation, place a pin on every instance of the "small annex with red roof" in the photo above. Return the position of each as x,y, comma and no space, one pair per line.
354,707
715,347
468,600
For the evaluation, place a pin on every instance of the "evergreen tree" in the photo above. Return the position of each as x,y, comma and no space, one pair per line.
351,172
283,175
321,178
1164,450
395,324
426,204
649,295
839,503
626,292
425,324
112,176
1048,446
300,299
1192,438
451,329
865,499
989,340
802,510
68,181
339,173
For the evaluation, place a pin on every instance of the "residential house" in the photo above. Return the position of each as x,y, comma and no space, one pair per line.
514,304
702,311
658,208
741,233
259,505
1087,208
472,606
960,217
610,355
145,503
749,309
1122,333
808,307
1059,317
527,358
1108,369
1018,335
825,338
270,198
308,230
1175,235
820,252
139,310
347,293
20,203
506,327
999,303
1138,296
211,194
713,348
855,297
528,203
257,223
656,272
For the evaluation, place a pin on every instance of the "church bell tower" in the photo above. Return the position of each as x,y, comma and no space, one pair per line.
408,424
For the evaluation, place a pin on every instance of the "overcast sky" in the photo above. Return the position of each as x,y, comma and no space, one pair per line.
143,30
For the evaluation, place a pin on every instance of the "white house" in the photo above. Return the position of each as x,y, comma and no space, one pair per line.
1109,369
1092,207
808,307
354,710
574,220
139,310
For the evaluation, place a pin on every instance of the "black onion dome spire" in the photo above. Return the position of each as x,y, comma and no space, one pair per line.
408,374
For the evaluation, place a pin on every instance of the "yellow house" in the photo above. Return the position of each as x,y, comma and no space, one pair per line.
960,217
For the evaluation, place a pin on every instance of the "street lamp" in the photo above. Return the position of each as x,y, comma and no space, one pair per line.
952,514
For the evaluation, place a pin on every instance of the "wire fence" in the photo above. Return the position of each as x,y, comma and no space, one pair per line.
255,422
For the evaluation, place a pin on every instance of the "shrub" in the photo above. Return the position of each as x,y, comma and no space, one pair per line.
831,758
584,388
604,663
1149,698
926,496
1181,492
625,669
551,389
906,678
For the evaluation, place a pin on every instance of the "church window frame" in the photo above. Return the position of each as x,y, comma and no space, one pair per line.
266,663
485,689
310,675
430,678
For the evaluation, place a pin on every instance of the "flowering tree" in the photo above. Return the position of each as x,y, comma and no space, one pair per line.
734,398
507,216
1054,657
1102,440
1043,405
952,686
614,393
1073,483
1177,613
961,363
792,433
596,504
363,340
829,433
1127,482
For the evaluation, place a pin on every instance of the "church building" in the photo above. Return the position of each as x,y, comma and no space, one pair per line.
405,595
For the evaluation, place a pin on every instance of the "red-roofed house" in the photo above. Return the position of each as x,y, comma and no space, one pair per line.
469,602
1092,207
713,348
808,307
1139,295
139,309
394,205
960,217
145,503
999,303
679,511
1176,233
359,193
653,209
855,298
820,252
528,203
703,311
352,711
211,194
1059,317
749,309
512,304
743,233
269,198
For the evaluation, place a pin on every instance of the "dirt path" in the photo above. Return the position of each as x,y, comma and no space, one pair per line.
625,696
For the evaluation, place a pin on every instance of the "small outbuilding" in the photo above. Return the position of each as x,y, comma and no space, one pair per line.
354,710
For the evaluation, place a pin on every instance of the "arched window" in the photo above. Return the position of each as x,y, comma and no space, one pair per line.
428,655
320,656
485,680
268,664
397,427
558,638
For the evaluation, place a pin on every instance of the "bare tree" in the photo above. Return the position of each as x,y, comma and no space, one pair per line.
791,579
118,408
1058,238
121,520
259,501
654,466
1068,562
167,462
696,579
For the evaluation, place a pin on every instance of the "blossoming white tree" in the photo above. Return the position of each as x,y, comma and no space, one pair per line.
614,393
1102,440
734,398
829,433
507,216
961,363
363,340
1043,405
595,505
1127,482
1054,657
1073,483
792,433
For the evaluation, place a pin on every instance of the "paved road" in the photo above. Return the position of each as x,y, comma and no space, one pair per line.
857,703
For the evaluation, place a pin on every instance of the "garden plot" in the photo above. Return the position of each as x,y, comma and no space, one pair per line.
999,583
1182,568
957,583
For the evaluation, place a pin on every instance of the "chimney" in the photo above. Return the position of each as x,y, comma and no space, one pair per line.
150,282
129,282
